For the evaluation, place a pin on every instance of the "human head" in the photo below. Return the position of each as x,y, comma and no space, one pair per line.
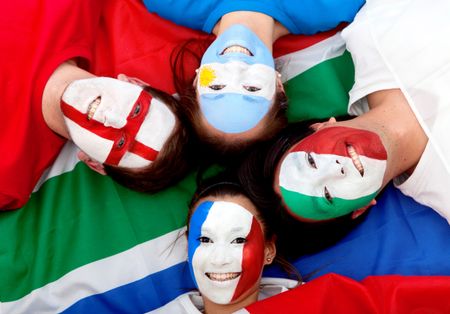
335,171
237,97
227,234
126,130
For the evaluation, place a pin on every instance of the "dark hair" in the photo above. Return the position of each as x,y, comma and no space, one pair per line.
173,161
184,60
297,238
226,184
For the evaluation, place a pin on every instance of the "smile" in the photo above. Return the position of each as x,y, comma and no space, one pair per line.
92,108
355,159
238,49
222,276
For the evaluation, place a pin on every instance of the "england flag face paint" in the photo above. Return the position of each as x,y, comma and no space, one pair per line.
332,172
236,81
225,251
116,122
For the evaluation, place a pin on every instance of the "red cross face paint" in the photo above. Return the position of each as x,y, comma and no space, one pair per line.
116,122
332,172
226,251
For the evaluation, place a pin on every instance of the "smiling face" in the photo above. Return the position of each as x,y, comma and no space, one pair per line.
226,250
332,172
236,81
115,122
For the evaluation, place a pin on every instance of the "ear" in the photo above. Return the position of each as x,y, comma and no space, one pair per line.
194,82
280,86
360,211
132,80
91,163
270,251
317,126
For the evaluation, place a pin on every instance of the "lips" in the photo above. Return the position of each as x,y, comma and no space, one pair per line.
355,159
238,49
222,276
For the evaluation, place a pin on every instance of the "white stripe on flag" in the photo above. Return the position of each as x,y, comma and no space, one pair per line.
297,62
103,275
296,175
65,162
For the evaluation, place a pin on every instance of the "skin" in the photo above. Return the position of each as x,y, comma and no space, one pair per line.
251,295
391,117
268,30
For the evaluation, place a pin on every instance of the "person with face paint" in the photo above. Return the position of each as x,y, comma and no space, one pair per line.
236,97
402,98
229,243
49,95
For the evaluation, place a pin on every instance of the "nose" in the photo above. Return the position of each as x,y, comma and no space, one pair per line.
220,256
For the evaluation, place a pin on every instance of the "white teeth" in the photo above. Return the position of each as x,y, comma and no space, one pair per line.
222,276
92,108
355,158
238,49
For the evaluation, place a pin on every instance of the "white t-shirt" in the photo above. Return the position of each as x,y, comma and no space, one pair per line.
192,302
401,44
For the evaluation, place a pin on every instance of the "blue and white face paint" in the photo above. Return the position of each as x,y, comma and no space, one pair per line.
236,81
225,250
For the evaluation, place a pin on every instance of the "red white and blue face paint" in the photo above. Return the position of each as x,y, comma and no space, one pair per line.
225,250
116,122
236,81
332,172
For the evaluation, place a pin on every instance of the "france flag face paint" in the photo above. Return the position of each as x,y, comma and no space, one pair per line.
225,250
332,172
115,122
237,81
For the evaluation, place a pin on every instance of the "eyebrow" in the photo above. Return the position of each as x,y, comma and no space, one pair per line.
236,229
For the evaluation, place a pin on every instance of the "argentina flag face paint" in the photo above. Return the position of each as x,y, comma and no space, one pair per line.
225,251
236,81
332,172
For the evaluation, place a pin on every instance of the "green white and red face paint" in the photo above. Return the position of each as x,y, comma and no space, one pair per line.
225,250
116,122
320,180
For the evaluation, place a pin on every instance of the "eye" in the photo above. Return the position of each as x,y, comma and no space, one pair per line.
239,240
205,240
136,111
311,160
217,86
252,88
327,195
121,142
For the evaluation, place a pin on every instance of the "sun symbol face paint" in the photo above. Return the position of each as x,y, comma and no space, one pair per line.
237,81
332,172
116,122
225,250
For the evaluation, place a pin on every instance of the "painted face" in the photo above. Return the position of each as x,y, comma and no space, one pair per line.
236,81
115,122
225,250
332,172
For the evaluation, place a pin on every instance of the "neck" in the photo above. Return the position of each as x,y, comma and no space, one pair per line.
261,24
54,89
391,117
213,308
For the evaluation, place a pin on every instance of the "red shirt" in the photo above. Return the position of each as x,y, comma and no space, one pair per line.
35,38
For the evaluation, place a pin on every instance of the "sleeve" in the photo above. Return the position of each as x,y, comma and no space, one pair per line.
376,294
36,37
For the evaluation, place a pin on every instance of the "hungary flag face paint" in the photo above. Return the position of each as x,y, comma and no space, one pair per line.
116,122
332,172
225,251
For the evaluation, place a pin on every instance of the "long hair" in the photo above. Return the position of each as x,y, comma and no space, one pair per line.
173,162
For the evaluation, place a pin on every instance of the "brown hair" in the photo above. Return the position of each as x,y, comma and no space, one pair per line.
173,161
190,53
226,184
